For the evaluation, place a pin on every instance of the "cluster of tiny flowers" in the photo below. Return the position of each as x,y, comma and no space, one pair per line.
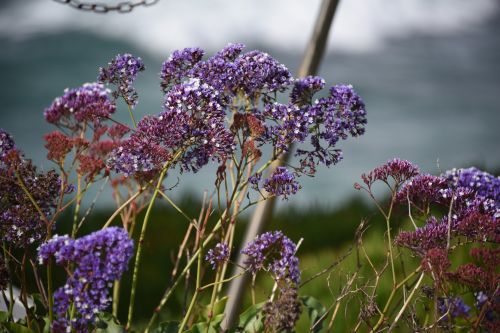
281,183
21,222
304,89
422,190
335,117
192,130
218,255
430,236
484,184
6,143
399,170
453,307
89,102
98,259
281,314
122,72
192,124
274,252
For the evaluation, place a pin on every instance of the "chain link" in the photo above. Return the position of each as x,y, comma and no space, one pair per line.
99,7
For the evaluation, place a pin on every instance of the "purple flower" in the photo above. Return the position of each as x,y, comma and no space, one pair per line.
178,65
397,169
304,89
254,180
431,236
335,118
484,184
281,183
217,255
122,72
6,143
21,222
274,252
89,102
192,125
453,306
98,259
422,190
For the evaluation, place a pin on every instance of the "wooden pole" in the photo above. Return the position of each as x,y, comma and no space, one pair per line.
263,211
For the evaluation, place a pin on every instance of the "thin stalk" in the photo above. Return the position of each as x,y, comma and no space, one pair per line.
77,206
135,274
190,262
405,305
196,291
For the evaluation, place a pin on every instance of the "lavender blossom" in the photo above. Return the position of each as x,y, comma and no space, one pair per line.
274,252
484,184
397,169
281,183
21,222
178,65
304,89
99,258
217,255
192,123
6,143
453,306
122,72
335,118
89,102
422,190
431,236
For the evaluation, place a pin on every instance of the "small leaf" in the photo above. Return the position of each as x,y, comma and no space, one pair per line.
16,328
167,327
4,316
251,320
108,324
315,310
207,327
218,308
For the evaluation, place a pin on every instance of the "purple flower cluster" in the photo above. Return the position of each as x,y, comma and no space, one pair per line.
178,65
218,255
21,221
432,235
122,72
89,102
274,252
422,190
281,183
304,89
228,71
399,170
202,94
191,125
98,259
6,144
453,307
331,119
485,185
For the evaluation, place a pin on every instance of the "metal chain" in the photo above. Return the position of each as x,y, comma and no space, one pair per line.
99,7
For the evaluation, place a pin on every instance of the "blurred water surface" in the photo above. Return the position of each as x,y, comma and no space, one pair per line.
427,70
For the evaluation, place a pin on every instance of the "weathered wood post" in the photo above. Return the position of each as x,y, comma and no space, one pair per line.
263,211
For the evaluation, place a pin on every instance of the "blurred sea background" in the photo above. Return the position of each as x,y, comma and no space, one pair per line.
428,71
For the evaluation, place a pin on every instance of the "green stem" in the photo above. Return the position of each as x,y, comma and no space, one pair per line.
180,278
196,291
77,206
135,274
131,114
